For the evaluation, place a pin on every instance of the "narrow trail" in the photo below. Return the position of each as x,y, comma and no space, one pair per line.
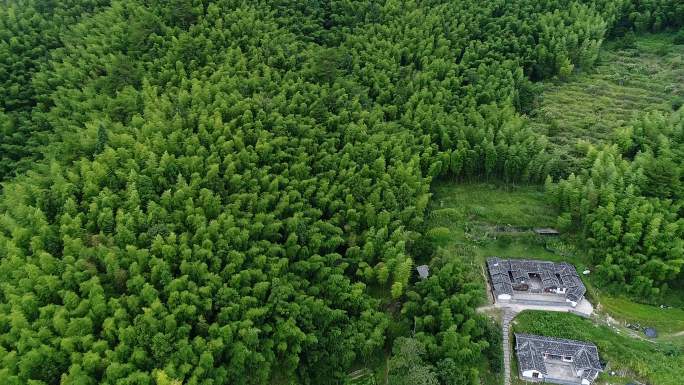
508,316
602,318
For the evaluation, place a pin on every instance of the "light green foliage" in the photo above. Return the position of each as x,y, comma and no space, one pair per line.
162,378
406,366
397,290
668,320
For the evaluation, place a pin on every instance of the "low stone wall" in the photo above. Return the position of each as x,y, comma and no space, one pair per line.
539,302
561,381
575,312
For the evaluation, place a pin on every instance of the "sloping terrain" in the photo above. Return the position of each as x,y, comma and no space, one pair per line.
627,81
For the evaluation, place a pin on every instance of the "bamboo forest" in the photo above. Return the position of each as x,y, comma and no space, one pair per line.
219,192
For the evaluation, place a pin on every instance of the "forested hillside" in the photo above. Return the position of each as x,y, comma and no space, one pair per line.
29,32
233,192
629,205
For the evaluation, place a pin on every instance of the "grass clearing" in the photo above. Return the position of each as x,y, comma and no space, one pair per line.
494,203
479,220
486,219
665,321
626,82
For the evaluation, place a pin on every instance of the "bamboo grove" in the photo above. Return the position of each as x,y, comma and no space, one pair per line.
220,192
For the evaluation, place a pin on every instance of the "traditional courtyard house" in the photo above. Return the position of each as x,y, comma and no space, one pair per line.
530,281
557,360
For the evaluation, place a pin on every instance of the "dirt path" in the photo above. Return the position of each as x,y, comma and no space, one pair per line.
508,316
490,296
603,318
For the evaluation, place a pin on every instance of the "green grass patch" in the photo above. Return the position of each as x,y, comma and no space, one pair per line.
523,206
665,321
657,363
479,220
626,82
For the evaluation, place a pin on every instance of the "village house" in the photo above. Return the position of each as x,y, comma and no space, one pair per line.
535,282
557,360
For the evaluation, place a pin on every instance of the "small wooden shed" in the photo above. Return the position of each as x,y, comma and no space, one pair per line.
546,231
423,271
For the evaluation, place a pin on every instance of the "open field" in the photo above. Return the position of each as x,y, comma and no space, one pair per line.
486,219
667,321
479,220
626,81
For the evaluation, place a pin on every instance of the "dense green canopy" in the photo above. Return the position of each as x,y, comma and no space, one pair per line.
629,204
232,192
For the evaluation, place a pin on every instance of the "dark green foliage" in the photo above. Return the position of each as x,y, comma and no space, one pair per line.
406,367
441,310
677,102
628,41
679,37
102,138
494,337
527,95
29,32
652,15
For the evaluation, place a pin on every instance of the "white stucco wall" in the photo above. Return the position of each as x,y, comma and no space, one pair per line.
559,290
530,374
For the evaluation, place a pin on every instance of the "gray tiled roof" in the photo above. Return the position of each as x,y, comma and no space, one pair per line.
498,272
423,271
530,350
505,273
589,374
529,358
